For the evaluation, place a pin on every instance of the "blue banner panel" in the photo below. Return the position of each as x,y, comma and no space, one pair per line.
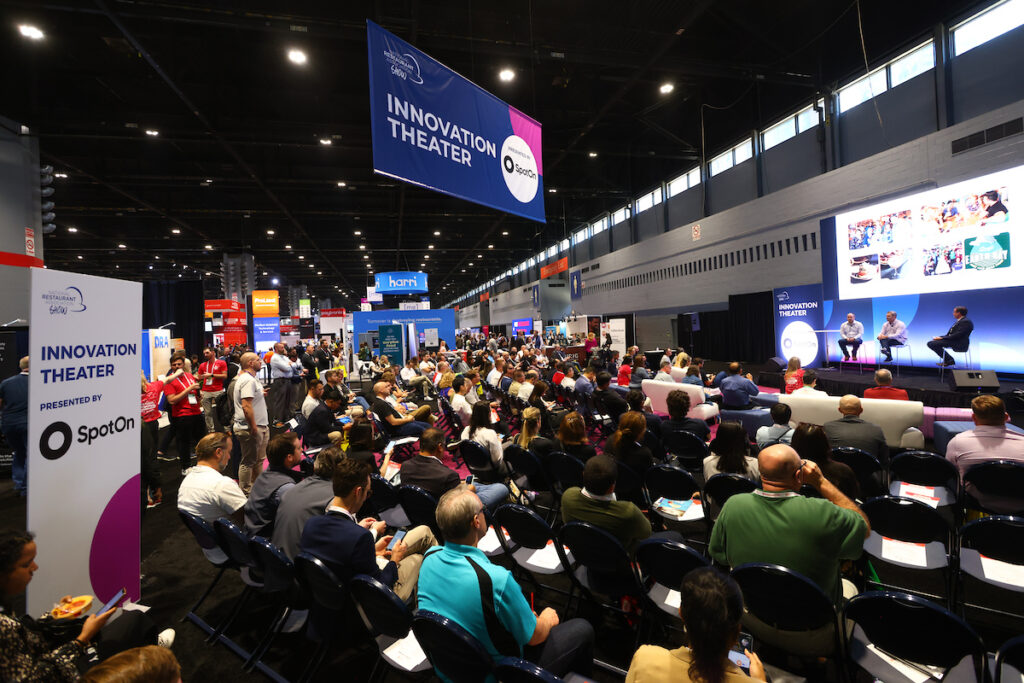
432,127
390,339
442,319
798,317
401,282
266,332
575,285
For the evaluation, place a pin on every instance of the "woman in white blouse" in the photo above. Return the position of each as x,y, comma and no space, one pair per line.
479,430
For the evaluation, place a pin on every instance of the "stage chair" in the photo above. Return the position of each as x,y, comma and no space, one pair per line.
906,630
451,649
897,351
389,621
965,362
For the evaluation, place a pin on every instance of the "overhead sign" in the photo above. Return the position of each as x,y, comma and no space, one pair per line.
432,127
265,303
559,266
332,312
221,305
373,296
83,419
266,332
400,282
305,309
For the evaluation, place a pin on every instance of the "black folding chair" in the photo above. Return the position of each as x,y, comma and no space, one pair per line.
515,670
990,567
329,618
913,630
279,585
630,486
525,463
723,486
386,502
420,507
207,539
663,564
870,473
451,649
1000,478
927,477
688,449
533,546
389,621
236,543
1009,664
676,484
478,460
566,471
909,536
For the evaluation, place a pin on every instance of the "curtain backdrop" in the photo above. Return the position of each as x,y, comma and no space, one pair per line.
175,302
744,332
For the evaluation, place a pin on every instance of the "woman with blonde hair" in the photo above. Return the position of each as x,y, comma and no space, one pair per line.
682,360
149,664
529,434
794,375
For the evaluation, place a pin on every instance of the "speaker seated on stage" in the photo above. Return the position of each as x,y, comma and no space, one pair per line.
851,336
894,333
737,389
884,388
958,338
810,382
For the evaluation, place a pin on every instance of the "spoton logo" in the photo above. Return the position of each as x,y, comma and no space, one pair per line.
404,66
52,450
67,300
519,168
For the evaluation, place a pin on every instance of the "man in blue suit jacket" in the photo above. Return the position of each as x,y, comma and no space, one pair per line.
958,338
350,547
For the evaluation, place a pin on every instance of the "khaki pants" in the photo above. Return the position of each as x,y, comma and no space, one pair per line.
422,414
254,451
419,540
209,413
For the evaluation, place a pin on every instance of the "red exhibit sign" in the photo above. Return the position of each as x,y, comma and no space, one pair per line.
558,266
332,312
221,305
485,296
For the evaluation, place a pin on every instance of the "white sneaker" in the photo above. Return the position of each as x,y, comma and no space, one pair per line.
165,638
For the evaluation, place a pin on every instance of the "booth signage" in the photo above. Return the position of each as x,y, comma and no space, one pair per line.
434,128
559,266
265,303
400,282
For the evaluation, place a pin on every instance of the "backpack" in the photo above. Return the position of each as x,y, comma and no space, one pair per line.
224,407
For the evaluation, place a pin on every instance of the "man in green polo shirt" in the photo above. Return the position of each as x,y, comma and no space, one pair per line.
776,524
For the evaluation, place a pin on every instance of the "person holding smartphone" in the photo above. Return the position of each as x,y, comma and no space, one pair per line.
711,606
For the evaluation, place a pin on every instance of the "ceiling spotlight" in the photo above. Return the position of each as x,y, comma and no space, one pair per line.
505,233
151,266
426,256
207,246
358,232
479,255
592,155
362,246
325,141
270,232
430,246
264,272
552,190
79,257
208,273
310,265
319,272
157,258
368,265
275,281
666,88
463,270
342,183
470,263
208,181
422,264
490,246
152,132
72,229
297,56
506,75
30,32
60,175
176,231
366,256
287,246
301,257
437,233
122,246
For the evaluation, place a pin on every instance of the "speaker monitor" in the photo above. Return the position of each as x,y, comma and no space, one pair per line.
776,364
974,380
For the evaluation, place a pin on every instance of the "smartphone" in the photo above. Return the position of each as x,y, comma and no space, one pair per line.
390,447
345,420
399,535
469,479
736,654
114,601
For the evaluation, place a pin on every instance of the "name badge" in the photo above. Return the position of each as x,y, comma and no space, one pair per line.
192,400
209,381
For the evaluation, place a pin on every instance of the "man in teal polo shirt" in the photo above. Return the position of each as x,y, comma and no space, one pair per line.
450,585
776,524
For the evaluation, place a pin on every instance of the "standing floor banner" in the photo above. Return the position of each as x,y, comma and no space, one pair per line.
798,324
84,500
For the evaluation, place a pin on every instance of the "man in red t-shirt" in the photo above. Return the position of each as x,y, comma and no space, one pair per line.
151,392
182,390
883,378
212,374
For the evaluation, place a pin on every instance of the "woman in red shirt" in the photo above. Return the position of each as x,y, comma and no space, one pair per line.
151,392
794,375
625,370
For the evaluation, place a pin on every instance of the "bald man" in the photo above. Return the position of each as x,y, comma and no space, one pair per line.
884,389
851,430
251,420
778,525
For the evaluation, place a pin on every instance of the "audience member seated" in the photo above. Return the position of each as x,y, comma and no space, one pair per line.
360,443
678,403
304,500
518,377
147,664
730,452
884,389
283,453
852,431
693,376
313,395
639,373
460,405
494,376
454,578
779,431
478,429
572,437
529,435
636,401
413,379
625,371
626,444
811,442
612,400
664,374
427,471
596,503
526,385
537,400
737,389
776,524
397,424
26,654
711,607
349,546
794,377
810,381
989,440
332,378
322,428
206,493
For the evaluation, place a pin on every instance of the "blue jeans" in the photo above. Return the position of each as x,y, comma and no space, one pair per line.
360,401
569,648
492,495
414,428
17,437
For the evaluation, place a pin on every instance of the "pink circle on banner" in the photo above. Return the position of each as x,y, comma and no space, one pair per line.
114,553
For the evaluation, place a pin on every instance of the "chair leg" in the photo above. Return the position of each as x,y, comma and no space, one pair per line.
205,594
235,611
268,639
314,663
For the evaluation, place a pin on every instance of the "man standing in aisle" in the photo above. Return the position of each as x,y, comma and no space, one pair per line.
186,413
14,422
280,383
252,424
894,333
851,334
212,373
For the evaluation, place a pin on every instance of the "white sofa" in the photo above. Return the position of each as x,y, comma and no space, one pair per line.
678,373
658,393
900,420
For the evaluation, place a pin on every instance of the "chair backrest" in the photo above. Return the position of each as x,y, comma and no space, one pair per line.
381,608
1011,654
419,505
451,649
628,484
667,562
1004,478
653,443
277,570
524,526
689,448
724,485
783,598
515,670
1000,537
320,582
565,469
925,469
668,481
234,541
863,464
478,460
913,628
523,461
594,548
384,496
204,534
906,519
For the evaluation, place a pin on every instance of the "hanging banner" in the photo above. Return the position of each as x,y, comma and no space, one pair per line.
432,127
265,332
83,422
575,285
535,296
400,282
559,266
798,317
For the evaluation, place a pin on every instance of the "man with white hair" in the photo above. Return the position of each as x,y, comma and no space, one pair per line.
852,431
